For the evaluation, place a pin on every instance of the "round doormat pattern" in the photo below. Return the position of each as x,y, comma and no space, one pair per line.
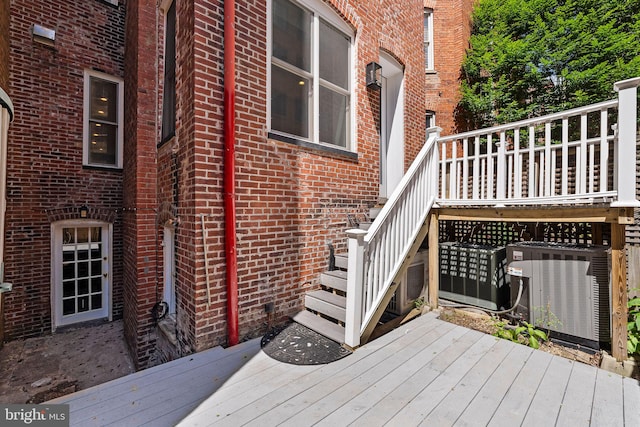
299,345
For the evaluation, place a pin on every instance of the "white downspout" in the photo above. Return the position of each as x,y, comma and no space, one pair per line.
6,115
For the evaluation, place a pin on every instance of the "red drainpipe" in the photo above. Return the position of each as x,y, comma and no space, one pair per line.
229,169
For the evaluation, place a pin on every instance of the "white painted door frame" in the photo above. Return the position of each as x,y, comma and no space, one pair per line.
391,125
58,262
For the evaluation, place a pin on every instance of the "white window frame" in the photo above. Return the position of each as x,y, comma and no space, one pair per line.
86,140
430,118
319,10
428,40
57,319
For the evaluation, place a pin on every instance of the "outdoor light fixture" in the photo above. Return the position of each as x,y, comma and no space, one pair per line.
84,212
374,75
43,35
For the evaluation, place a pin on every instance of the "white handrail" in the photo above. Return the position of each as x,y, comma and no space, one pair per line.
567,157
376,258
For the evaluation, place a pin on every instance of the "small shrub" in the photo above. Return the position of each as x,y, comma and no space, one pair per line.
524,334
633,326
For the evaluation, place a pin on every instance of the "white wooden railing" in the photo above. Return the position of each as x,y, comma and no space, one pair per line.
378,255
584,155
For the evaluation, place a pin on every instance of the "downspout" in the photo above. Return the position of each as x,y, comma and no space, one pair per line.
229,170
6,116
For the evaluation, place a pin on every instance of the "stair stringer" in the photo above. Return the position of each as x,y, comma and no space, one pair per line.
384,302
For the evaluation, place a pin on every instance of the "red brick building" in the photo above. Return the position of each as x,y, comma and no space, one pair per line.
116,177
63,234
449,24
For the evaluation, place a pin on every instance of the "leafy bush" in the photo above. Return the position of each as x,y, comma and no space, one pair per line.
633,326
524,334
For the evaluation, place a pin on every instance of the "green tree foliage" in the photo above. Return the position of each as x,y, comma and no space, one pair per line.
533,57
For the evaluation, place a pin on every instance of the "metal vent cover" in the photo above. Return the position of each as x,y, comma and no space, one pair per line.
568,288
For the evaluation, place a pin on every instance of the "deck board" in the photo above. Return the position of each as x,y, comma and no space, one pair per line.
517,400
545,406
608,400
450,408
482,408
425,372
578,397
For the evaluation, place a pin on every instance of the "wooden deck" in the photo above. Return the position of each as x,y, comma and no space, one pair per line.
427,372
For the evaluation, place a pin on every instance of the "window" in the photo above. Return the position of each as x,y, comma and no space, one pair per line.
169,88
430,119
310,74
428,39
103,120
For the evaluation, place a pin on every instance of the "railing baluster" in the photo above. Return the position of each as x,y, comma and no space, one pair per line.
443,174
517,164
547,158
565,156
453,189
604,151
465,168
501,172
583,154
592,169
476,168
532,159
490,177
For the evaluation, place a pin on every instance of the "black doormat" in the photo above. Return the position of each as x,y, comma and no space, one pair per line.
299,345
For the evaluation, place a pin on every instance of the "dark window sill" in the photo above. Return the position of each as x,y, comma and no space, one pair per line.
319,148
102,168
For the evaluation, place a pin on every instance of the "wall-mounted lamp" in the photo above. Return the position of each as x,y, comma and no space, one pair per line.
374,75
43,35
84,212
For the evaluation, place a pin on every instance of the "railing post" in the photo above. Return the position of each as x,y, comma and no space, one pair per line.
355,287
627,125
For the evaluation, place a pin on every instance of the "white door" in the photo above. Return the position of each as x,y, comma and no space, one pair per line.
392,125
81,272
168,258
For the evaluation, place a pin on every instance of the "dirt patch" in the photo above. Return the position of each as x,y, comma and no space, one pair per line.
39,369
484,323
60,389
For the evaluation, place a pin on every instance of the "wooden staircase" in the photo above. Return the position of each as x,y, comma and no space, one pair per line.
325,309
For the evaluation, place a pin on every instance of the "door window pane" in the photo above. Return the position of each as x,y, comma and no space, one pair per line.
334,56
333,117
289,102
96,301
68,306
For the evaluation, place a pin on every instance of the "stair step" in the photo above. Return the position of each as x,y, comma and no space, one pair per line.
364,225
342,261
329,304
336,279
322,326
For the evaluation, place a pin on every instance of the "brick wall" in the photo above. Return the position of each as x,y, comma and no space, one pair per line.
46,179
451,31
4,45
291,201
140,240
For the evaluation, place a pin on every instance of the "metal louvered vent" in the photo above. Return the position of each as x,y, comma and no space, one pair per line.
566,288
